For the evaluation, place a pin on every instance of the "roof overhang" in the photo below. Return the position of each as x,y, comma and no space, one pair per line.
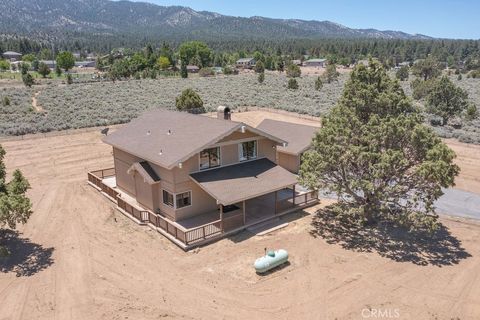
243,181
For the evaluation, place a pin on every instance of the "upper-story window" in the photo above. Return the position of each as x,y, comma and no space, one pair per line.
247,150
210,158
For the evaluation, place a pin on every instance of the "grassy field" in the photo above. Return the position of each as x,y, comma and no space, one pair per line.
87,104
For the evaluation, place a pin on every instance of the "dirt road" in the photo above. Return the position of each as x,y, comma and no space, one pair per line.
80,259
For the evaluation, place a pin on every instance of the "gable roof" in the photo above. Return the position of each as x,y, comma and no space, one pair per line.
298,136
146,171
167,137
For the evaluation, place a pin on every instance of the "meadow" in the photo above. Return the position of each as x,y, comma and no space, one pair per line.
86,104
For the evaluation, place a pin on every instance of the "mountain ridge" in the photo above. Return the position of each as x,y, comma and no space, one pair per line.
59,18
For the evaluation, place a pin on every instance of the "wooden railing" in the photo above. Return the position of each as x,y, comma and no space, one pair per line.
300,200
203,232
96,177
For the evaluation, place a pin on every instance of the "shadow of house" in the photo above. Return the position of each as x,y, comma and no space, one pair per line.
26,258
389,241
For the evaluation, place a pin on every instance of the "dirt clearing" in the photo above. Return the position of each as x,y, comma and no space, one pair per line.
81,259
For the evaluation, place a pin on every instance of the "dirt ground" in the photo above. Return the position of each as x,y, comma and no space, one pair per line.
78,258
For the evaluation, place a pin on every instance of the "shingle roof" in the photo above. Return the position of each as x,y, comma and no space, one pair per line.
169,137
298,136
146,171
246,180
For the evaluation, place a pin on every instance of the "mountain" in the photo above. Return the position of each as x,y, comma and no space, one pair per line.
67,19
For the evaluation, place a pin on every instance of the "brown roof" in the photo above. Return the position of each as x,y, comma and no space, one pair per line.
246,180
169,137
298,136
146,171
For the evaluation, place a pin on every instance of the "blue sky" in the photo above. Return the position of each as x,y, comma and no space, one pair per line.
440,18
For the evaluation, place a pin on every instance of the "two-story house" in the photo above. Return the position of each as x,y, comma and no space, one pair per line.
196,178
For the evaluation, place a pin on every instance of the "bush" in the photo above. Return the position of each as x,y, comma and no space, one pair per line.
261,77
318,84
69,79
292,84
206,72
422,89
293,71
6,101
471,113
459,77
259,67
27,80
227,70
190,101
402,73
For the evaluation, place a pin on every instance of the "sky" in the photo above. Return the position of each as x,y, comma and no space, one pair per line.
459,19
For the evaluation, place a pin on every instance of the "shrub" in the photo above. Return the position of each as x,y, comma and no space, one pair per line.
6,101
190,101
459,77
292,84
293,71
471,113
402,73
43,69
261,77
318,84
69,79
206,72
27,80
259,67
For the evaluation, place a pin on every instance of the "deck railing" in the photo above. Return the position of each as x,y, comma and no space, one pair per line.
183,235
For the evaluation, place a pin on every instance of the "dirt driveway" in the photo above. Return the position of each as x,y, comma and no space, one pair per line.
77,258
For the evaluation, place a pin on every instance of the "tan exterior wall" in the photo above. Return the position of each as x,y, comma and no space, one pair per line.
144,192
289,162
202,202
238,135
123,161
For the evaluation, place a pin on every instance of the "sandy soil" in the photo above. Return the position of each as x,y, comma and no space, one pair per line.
78,258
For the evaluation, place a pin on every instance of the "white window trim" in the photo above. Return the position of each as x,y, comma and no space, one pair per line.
175,199
239,148
219,156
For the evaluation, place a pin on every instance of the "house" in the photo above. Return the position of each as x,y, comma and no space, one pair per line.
86,64
245,63
297,62
12,56
196,179
298,137
315,63
192,69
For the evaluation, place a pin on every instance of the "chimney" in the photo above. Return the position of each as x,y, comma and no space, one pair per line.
224,113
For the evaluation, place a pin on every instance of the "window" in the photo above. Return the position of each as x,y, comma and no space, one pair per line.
168,198
210,158
183,199
247,150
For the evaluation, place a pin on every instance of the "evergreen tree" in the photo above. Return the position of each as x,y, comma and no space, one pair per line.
446,99
374,151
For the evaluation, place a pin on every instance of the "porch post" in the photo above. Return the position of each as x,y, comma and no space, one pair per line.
221,217
244,218
276,202
293,196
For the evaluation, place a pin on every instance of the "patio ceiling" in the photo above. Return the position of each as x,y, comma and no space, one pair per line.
235,183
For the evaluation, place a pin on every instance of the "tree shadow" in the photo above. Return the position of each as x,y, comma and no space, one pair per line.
26,258
389,241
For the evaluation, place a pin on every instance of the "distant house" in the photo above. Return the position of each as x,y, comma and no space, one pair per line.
77,55
12,56
245,63
86,64
299,138
297,62
192,69
315,63
49,63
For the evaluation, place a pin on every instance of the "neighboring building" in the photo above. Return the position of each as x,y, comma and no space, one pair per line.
49,63
297,62
192,69
195,178
245,63
77,55
299,138
86,64
315,63
12,56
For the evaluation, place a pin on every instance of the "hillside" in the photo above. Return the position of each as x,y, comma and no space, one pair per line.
79,19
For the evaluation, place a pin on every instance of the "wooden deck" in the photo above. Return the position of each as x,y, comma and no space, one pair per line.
208,227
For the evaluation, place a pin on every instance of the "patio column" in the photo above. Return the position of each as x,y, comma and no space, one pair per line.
244,218
276,202
293,196
221,217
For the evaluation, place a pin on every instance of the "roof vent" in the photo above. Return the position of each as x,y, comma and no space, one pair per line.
169,132
242,128
148,133
161,152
